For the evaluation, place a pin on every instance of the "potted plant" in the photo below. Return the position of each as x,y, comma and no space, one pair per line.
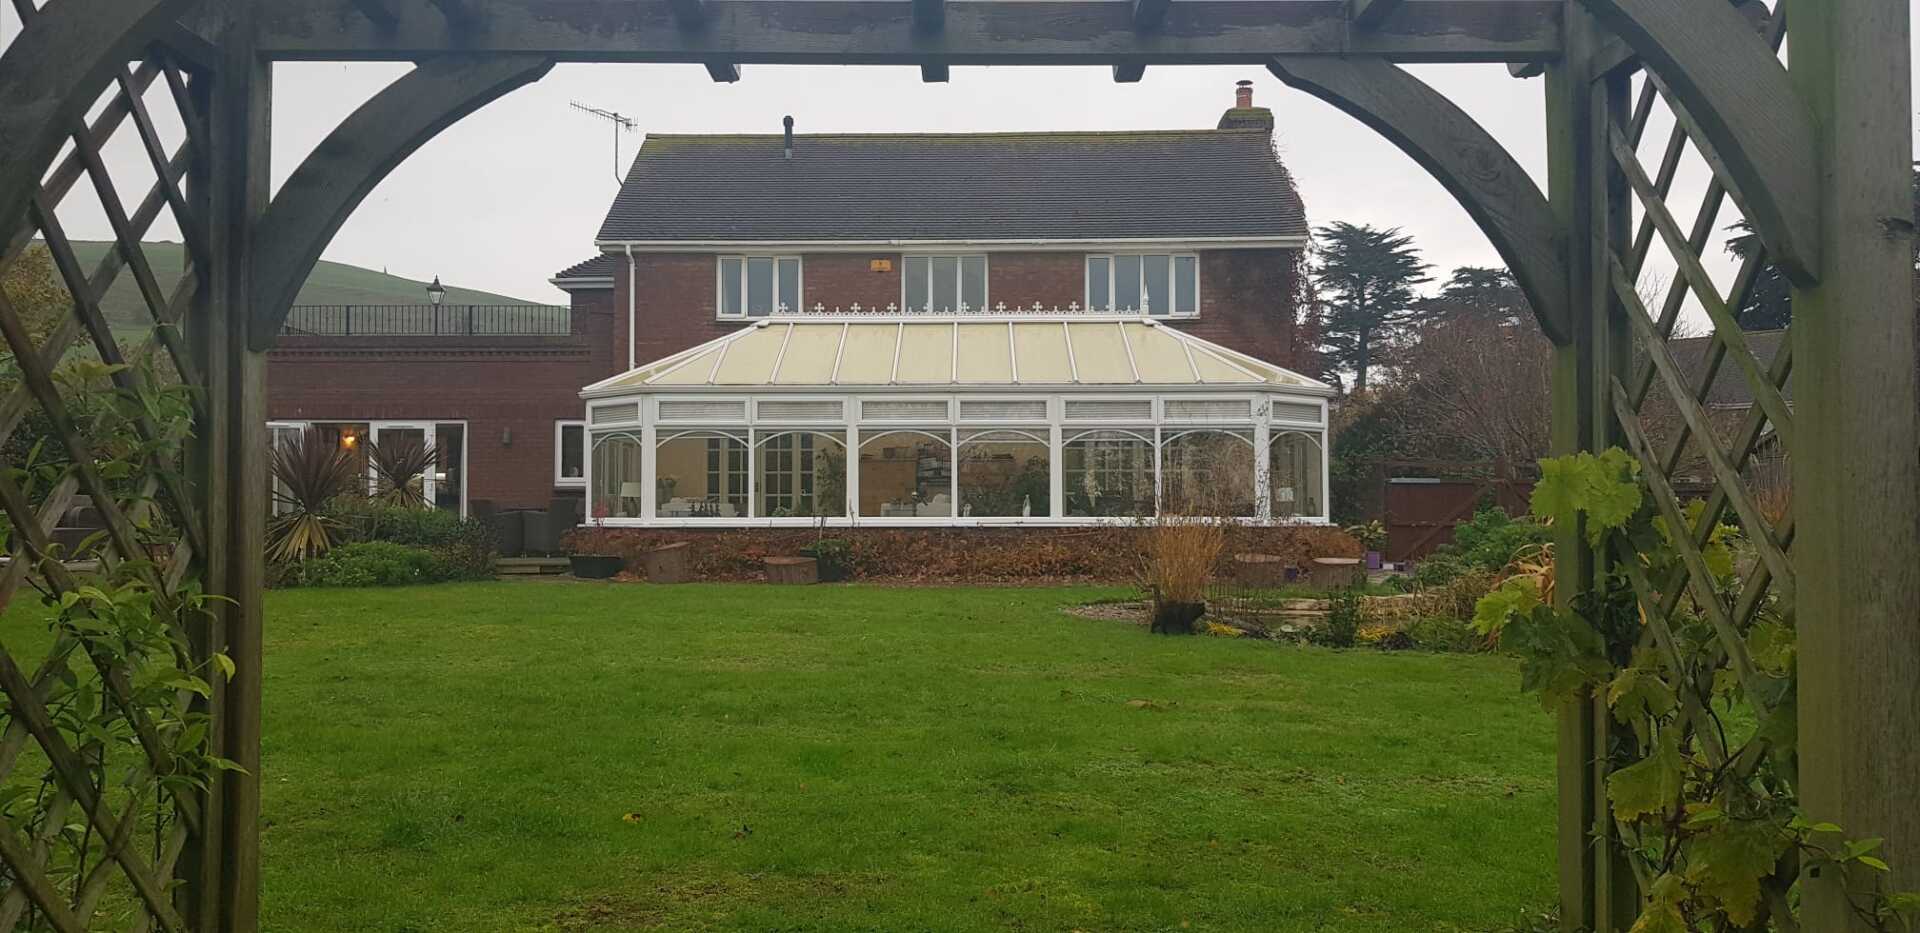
834,557
1372,537
588,561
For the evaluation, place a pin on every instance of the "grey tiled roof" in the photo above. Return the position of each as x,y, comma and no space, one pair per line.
1730,386
598,266
988,186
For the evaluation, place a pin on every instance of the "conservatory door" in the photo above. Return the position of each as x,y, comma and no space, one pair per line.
403,433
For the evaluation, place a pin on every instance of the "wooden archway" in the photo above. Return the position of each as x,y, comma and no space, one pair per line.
1813,155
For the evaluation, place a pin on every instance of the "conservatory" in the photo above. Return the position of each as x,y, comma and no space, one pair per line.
917,420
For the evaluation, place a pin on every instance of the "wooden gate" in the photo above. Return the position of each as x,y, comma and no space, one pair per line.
1423,501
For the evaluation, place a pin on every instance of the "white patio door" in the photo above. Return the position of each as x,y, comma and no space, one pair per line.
401,431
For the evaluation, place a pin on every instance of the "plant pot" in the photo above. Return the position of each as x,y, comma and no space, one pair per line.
1373,560
596,566
1176,618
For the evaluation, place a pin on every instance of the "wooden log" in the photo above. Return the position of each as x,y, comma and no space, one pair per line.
1336,572
669,563
792,571
1259,569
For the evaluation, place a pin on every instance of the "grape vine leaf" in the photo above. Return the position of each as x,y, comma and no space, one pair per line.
1651,785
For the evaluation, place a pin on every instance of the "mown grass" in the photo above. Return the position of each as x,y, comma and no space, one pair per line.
561,757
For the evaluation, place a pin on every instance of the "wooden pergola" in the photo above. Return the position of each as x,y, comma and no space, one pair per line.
1813,153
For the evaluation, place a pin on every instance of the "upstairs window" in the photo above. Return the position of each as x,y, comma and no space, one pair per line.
1157,284
944,283
756,286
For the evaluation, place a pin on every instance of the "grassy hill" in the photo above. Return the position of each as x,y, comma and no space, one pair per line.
332,283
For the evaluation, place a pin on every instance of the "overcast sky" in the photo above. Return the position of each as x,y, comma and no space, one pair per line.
512,194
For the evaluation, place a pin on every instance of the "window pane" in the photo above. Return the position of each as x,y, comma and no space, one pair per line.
973,281
906,474
450,474
1208,473
700,476
1126,284
946,283
1158,301
915,271
1108,474
790,284
616,476
1294,477
730,286
1186,285
1004,475
759,287
573,451
1098,298
803,475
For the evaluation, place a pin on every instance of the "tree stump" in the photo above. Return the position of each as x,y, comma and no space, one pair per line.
792,571
668,563
1332,573
1259,570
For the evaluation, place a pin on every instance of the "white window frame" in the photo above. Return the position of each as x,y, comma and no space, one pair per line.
1086,277
720,291
561,481
959,283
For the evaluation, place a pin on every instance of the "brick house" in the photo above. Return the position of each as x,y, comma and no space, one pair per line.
997,272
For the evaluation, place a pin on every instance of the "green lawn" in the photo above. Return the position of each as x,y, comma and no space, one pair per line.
549,756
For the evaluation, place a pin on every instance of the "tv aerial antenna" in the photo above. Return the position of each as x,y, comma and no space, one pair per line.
621,124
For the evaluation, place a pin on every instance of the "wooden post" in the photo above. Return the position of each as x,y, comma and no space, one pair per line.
230,451
1856,477
1596,888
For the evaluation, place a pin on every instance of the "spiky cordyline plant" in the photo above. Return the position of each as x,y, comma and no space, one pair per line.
309,473
397,462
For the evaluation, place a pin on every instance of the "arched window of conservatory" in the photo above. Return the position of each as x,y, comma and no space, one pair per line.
802,474
1295,476
617,459
906,474
1005,474
700,474
1108,473
1208,473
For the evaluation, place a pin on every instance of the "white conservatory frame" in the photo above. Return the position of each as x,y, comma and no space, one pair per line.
627,406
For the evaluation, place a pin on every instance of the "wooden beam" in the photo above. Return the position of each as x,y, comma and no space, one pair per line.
377,12
979,32
1129,73
1749,123
723,72
1487,181
1369,14
935,74
690,16
459,13
1150,15
1856,492
929,16
324,191
49,80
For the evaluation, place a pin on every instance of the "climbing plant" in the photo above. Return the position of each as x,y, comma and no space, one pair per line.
1702,784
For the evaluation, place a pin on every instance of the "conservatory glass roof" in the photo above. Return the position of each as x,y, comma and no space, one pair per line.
932,352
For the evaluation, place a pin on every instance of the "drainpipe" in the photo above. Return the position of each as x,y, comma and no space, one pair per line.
631,267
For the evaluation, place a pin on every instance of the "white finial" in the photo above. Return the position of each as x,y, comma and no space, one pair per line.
818,307
964,307
1073,308
891,307
1036,307
856,308
1001,307
783,308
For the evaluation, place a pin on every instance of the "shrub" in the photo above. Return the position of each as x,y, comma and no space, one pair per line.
311,475
465,545
835,557
370,563
1491,539
1345,616
1181,554
1438,634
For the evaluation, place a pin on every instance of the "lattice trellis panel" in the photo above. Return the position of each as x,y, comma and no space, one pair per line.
1693,447
103,660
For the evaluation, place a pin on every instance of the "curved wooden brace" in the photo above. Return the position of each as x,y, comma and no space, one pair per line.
1731,92
1497,193
360,153
53,73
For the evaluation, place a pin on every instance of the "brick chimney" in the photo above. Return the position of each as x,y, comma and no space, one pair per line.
1244,115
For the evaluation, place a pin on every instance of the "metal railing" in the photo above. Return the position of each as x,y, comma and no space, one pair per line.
425,320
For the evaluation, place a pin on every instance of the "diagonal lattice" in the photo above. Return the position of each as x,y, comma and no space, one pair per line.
103,754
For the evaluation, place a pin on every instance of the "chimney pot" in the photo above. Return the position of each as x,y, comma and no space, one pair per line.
1242,94
787,121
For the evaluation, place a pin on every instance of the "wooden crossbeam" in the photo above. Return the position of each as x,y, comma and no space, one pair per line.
459,13
929,16
935,74
979,32
691,18
1149,15
1369,14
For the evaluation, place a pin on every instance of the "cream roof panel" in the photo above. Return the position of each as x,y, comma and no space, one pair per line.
1100,354
749,360
1042,352
926,355
866,359
1160,356
986,354
803,351
810,355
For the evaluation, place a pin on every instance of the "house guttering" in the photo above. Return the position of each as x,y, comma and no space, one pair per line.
930,389
581,282
1183,244
631,305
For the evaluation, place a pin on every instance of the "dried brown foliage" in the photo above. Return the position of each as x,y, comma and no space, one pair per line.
1181,556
